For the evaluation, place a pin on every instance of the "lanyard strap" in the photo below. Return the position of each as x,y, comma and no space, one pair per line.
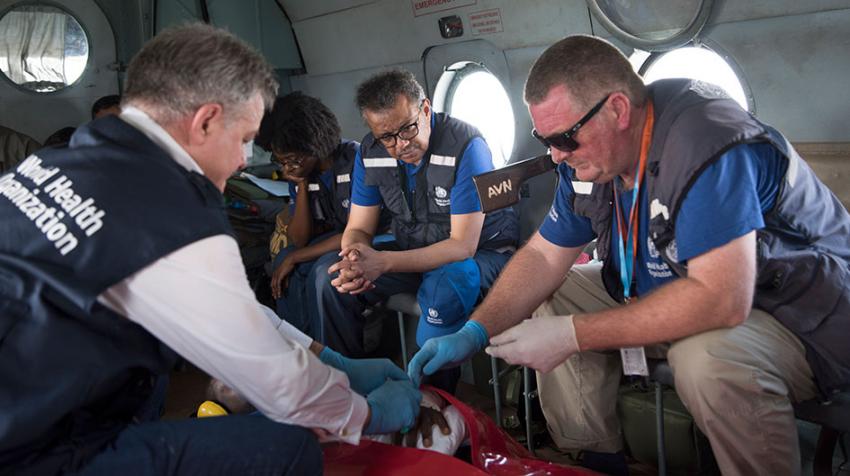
629,234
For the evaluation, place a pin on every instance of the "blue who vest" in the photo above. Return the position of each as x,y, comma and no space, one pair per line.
428,219
330,205
76,221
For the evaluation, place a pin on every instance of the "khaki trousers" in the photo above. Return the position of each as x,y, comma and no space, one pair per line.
737,383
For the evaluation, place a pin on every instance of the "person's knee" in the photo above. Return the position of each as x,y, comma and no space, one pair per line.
307,459
700,373
295,449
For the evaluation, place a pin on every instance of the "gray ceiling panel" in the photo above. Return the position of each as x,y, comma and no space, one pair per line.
299,10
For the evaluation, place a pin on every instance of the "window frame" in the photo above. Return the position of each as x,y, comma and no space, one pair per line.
447,86
90,45
716,49
674,41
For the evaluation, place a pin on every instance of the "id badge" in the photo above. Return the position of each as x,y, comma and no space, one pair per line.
634,361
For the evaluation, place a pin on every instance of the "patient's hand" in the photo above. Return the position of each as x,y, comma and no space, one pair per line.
429,417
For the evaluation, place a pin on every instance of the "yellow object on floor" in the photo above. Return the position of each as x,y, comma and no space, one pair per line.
211,409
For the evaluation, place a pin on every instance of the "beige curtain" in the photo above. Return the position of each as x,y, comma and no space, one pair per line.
32,45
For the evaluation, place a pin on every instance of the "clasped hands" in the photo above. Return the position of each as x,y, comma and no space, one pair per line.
358,269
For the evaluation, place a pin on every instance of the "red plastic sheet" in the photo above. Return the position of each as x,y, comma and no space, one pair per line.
493,452
371,458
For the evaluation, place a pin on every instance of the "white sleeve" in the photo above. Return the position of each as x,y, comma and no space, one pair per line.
286,329
198,302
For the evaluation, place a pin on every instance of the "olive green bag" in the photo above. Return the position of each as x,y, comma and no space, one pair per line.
688,450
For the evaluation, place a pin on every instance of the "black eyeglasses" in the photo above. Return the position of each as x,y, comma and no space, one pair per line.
405,132
564,140
289,160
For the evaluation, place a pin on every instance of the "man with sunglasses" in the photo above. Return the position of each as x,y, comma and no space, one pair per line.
418,165
721,251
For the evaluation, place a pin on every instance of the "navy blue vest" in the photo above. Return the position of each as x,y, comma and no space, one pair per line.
803,253
330,205
76,221
428,219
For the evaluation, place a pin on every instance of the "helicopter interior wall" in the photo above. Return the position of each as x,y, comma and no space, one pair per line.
388,32
793,64
797,69
791,55
132,21
338,91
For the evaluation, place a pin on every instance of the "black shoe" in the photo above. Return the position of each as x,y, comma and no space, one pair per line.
608,463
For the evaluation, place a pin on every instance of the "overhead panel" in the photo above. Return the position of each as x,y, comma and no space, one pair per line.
176,12
389,32
299,10
261,23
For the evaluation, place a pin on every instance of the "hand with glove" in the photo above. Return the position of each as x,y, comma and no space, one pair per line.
392,407
364,375
541,343
447,351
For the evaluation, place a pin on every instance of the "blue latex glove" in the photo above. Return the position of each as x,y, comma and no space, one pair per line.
364,375
394,406
447,351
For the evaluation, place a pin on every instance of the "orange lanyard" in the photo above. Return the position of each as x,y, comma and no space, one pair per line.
627,239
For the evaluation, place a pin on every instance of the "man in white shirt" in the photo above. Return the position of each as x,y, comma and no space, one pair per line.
117,257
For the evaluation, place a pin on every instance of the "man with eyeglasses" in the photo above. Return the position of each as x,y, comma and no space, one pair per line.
419,165
720,251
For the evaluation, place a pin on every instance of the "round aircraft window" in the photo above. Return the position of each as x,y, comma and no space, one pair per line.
652,25
471,93
696,63
42,48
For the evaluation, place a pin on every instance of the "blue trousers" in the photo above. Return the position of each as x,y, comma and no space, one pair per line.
342,314
294,305
231,445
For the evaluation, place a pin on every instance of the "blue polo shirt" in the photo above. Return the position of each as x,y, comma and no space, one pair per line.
727,201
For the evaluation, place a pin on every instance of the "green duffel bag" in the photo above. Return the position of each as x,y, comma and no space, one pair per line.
688,450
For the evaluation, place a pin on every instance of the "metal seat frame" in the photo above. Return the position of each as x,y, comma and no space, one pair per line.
406,304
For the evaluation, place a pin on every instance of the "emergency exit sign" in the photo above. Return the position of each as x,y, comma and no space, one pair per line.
424,7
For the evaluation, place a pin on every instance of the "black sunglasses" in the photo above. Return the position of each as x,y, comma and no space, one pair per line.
564,140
